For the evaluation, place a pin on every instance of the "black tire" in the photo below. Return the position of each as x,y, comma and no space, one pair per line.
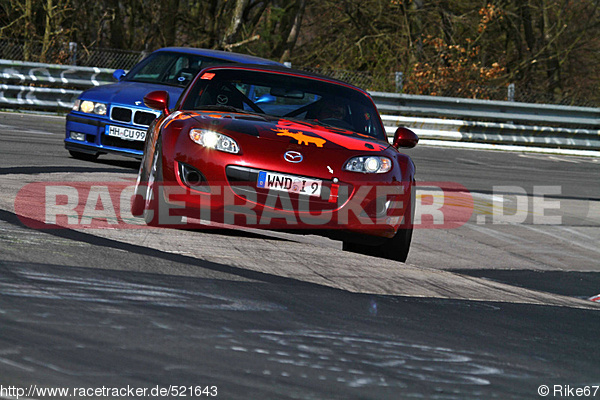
84,156
152,195
154,202
137,202
395,248
356,247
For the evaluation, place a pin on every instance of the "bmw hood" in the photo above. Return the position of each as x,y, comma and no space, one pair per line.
129,93
303,133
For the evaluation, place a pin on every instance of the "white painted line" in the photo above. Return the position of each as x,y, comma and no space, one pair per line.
594,211
505,237
562,238
494,198
554,158
34,132
29,113
574,232
502,147
571,159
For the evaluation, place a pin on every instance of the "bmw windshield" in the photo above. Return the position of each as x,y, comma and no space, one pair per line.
171,68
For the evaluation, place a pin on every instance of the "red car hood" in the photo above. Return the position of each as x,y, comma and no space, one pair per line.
288,131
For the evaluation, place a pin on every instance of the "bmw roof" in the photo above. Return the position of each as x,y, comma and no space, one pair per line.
225,55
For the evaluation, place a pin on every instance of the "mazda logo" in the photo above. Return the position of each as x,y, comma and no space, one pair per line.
222,99
293,157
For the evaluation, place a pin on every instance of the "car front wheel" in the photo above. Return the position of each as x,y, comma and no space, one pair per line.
395,248
154,202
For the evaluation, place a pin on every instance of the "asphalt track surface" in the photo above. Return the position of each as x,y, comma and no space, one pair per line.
495,308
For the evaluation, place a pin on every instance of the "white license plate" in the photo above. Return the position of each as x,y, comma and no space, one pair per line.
289,183
125,133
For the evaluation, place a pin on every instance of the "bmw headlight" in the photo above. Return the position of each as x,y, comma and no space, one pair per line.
89,107
369,165
214,140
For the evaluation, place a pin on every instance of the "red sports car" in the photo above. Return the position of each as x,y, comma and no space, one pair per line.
271,147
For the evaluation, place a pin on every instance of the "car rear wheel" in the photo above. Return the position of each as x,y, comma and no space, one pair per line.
84,156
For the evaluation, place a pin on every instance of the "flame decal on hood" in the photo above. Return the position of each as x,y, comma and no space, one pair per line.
300,137
344,138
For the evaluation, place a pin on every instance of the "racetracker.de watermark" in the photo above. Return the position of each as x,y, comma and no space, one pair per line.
171,391
429,205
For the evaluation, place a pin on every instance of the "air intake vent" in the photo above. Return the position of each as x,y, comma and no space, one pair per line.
132,116
143,118
121,114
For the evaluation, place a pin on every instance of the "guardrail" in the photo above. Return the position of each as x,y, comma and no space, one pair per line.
46,86
457,131
492,122
56,87
486,110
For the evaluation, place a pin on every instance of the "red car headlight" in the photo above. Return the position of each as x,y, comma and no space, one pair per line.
214,140
369,165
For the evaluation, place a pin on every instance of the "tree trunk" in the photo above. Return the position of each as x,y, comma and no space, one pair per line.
293,36
446,23
550,54
47,30
527,25
29,36
117,33
417,28
235,23
170,22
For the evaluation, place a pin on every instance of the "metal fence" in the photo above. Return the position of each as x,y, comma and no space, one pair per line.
69,54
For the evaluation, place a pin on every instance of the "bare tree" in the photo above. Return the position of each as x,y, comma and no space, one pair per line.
294,31
235,22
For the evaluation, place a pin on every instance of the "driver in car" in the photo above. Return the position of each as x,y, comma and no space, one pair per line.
334,114
331,110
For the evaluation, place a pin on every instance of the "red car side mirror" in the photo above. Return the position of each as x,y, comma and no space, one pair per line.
406,138
158,100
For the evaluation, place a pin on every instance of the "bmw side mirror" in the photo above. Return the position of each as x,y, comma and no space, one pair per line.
119,74
158,100
406,138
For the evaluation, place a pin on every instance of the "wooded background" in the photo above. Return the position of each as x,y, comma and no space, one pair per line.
549,49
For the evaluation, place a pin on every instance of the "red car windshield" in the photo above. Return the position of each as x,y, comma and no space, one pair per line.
285,95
